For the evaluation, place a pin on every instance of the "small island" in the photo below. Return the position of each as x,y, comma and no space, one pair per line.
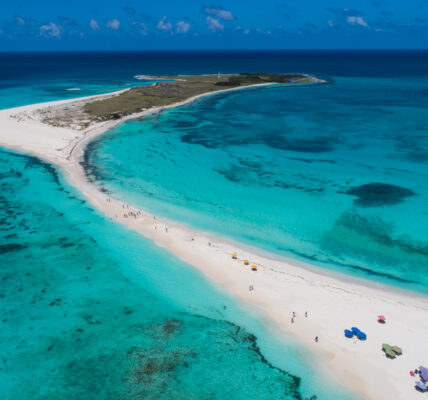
175,89
166,91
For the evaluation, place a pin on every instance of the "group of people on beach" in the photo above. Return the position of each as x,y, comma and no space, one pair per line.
294,316
134,214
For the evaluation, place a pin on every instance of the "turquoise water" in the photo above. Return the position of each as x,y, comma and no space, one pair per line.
18,94
91,310
333,174
60,90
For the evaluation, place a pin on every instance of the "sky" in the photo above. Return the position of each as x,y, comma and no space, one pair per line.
50,25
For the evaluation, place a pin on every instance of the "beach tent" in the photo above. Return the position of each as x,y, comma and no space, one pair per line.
424,373
349,333
420,386
397,350
388,350
390,353
386,347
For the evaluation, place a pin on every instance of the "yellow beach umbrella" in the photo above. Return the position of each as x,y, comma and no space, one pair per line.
246,262
234,256
254,267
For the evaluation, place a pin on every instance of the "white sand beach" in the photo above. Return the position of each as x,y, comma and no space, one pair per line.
281,287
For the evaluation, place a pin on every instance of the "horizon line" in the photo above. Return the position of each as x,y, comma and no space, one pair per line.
206,50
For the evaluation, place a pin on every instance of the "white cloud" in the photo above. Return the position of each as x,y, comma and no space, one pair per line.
262,31
20,21
113,24
214,24
50,30
142,28
183,27
353,20
94,25
245,31
163,25
220,13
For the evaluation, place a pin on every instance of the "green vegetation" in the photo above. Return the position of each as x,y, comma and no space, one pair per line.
175,90
260,77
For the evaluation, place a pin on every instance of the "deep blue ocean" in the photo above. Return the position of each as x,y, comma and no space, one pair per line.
334,174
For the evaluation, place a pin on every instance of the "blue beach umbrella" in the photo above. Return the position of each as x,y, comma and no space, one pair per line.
355,330
349,333
361,335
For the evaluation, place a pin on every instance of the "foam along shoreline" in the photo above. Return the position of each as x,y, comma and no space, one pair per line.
280,287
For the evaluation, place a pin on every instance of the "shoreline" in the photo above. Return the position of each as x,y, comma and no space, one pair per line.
281,286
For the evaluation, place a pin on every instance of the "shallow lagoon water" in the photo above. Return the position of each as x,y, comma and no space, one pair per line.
334,174
90,309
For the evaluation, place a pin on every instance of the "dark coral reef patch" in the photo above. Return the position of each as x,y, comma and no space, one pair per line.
379,194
